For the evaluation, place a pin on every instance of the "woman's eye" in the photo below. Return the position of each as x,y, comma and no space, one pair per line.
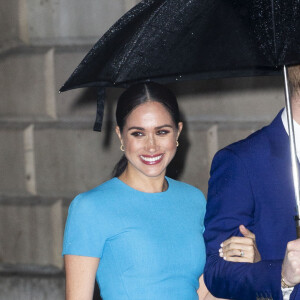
137,133
162,132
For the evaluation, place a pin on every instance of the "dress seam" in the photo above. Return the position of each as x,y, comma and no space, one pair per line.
118,270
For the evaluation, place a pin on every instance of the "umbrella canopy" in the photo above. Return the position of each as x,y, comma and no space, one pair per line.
167,40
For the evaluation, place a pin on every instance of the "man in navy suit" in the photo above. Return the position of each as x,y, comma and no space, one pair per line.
251,184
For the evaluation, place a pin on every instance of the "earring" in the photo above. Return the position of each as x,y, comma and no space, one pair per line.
177,143
122,148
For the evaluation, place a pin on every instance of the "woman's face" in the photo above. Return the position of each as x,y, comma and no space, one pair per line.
149,138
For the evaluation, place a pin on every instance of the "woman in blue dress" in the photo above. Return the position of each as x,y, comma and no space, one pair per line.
140,234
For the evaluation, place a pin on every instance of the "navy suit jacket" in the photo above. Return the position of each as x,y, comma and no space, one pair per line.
251,184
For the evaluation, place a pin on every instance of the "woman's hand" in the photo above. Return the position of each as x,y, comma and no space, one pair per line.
235,249
240,249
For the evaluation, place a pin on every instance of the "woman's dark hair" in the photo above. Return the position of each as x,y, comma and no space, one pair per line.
136,95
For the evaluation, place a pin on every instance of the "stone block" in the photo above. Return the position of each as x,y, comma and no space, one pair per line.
235,131
27,83
9,22
73,160
32,234
32,288
235,99
79,103
12,161
69,21
192,156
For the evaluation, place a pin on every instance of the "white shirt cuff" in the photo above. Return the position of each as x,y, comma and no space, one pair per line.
286,293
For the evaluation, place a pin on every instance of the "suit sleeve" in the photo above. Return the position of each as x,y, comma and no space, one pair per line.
230,204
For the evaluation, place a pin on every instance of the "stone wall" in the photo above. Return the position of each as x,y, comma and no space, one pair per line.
49,152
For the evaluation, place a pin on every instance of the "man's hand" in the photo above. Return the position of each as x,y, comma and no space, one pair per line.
291,263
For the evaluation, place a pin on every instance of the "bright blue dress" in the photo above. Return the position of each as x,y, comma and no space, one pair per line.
150,245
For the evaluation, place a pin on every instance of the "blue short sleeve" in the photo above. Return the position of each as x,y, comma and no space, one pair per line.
83,235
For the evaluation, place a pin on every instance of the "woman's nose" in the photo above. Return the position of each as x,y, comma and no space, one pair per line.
151,144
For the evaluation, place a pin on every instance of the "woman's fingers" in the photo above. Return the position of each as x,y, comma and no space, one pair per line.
246,232
237,255
238,259
238,240
238,246
233,252
240,249
237,250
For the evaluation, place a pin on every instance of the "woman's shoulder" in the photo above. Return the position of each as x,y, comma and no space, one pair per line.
190,196
179,186
97,195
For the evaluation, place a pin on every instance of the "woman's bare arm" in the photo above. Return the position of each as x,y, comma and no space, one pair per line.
203,293
80,276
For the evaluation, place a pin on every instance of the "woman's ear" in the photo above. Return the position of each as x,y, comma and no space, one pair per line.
180,125
118,132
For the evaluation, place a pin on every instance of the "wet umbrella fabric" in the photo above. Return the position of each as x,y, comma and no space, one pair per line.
167,40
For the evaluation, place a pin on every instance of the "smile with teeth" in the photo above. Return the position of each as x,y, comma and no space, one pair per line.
151,159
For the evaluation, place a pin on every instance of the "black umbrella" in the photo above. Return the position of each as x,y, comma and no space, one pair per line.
168,40
165,40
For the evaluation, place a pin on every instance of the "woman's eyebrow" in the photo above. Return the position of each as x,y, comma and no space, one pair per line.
165,125
142,129
136,128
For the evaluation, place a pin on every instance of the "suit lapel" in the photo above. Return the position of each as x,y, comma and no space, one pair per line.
282,166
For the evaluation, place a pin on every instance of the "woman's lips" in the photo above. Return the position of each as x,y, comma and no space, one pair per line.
151,159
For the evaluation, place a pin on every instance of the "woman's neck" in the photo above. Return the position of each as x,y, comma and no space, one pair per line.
144,183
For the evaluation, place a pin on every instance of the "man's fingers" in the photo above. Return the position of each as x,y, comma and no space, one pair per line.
293,245
291,263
